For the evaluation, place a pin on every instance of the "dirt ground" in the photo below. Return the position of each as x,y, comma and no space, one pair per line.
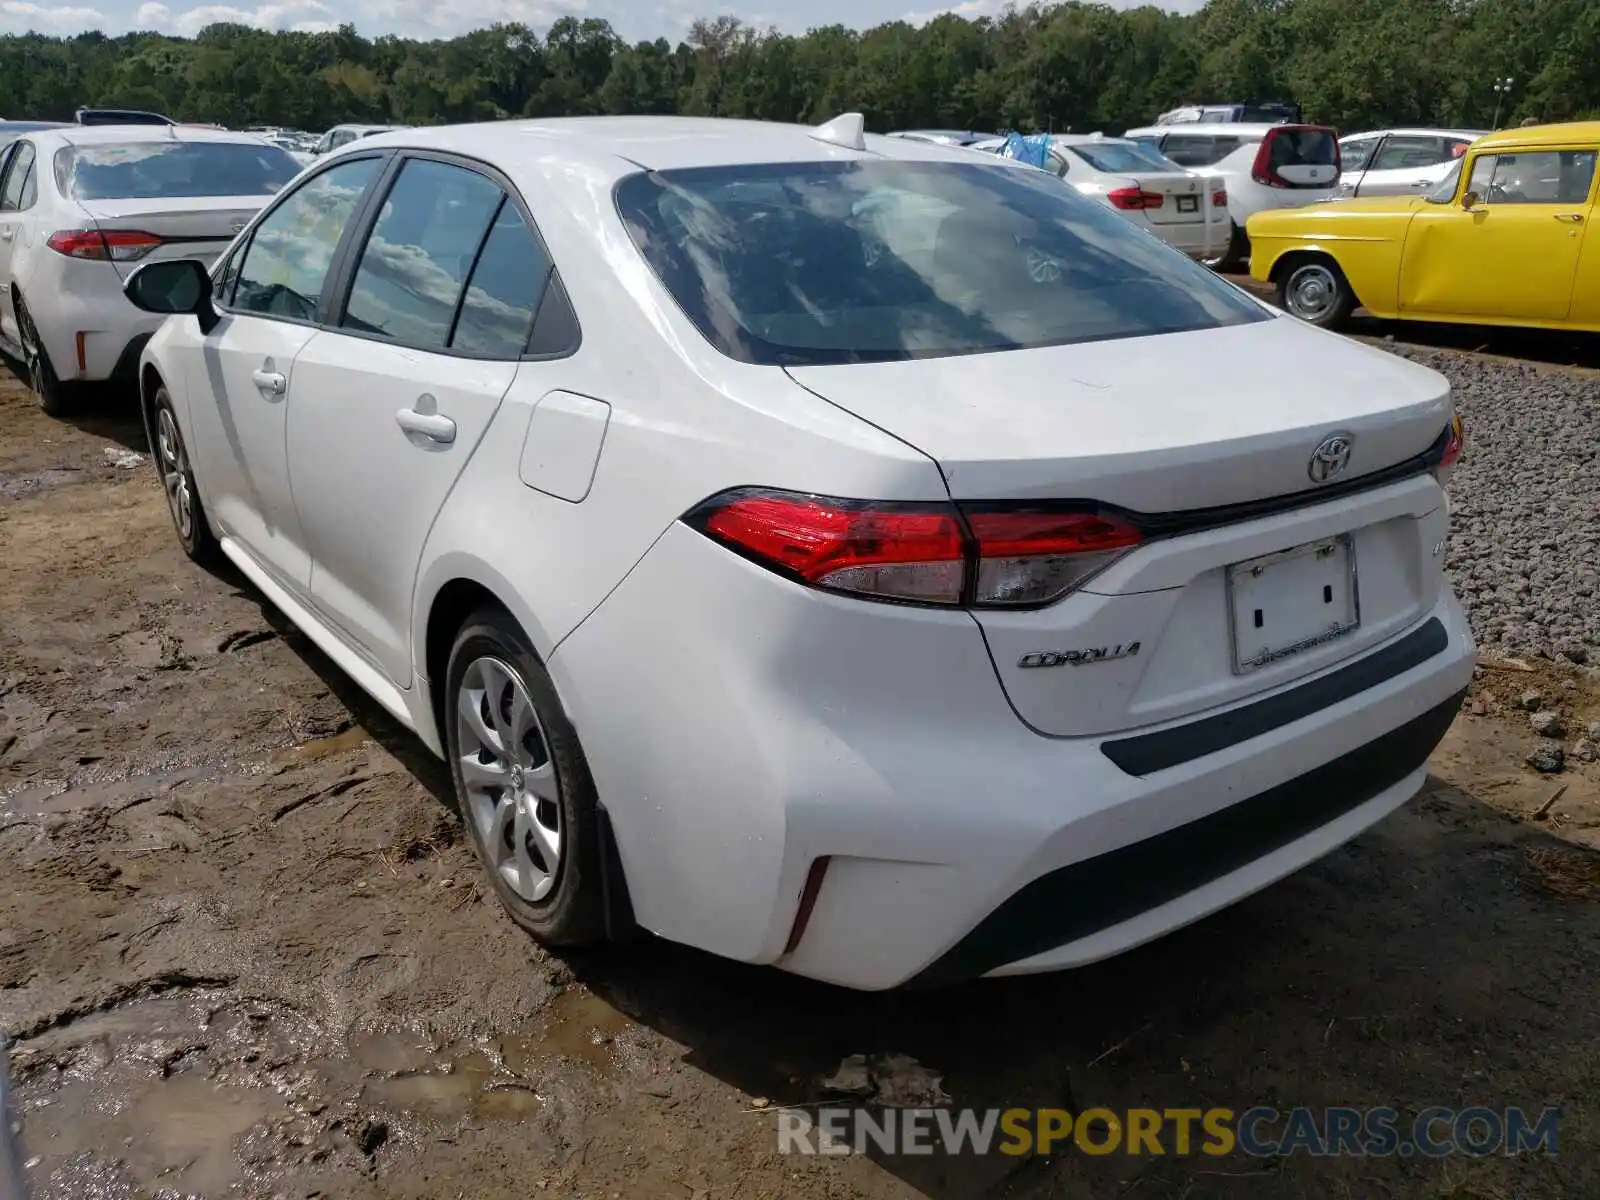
244,950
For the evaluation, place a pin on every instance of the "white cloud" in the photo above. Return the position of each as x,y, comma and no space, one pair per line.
459,16
970,9
632,19
17,16
285,14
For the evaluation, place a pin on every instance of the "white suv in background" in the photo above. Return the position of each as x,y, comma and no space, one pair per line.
1263,166
1400,162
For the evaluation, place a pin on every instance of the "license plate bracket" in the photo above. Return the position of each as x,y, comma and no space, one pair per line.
1188,204
1291,601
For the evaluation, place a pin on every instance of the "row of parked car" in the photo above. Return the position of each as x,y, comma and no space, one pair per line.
1416,224
1197,183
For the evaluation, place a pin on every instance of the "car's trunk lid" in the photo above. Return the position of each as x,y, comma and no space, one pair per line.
189,226
1185,197
1162,427
1153,424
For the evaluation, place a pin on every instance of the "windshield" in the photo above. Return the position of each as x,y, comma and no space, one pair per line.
1446,191
164,169
817,263
1119,158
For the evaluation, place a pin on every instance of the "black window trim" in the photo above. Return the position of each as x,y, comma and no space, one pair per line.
7,153
13,153
341,277
247,240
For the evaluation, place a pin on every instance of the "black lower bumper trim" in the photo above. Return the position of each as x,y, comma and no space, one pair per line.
1103,891
1151,752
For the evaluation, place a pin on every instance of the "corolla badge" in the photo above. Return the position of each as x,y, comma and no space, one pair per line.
1077,658
1330,458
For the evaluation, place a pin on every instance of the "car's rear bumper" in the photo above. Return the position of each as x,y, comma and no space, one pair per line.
741,728
75,300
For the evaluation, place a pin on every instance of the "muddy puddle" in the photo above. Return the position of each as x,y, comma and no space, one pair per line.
17,485
162,1095
495,1078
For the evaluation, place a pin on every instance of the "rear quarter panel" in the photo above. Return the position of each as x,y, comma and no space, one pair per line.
1366,245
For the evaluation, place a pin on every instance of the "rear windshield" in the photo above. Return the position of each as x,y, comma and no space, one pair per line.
1118,158
158,169
817,263
1304,147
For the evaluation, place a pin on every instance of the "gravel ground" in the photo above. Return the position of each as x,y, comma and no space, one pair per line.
1526,504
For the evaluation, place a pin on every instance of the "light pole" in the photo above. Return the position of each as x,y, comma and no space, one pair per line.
1502,91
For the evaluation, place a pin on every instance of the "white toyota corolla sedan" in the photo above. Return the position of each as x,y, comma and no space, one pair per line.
831,551
80,208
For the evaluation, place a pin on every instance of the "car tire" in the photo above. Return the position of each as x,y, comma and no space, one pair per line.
1315,290
175,473
1234,254
522,783
47,388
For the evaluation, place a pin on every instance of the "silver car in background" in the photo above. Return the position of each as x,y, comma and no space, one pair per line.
1400,162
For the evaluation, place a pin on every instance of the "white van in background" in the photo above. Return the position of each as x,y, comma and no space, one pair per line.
1262,166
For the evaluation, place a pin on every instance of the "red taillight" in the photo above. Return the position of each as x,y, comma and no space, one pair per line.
1261,170
1032,557
923,553
120,245
1133,198
911,552
1455,443
1219,198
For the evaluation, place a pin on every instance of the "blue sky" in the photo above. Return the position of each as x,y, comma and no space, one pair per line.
633,19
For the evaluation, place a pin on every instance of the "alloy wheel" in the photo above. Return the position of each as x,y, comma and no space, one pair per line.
32,354
174,466
513,796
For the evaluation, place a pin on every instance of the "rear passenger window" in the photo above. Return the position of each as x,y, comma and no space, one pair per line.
421,249
1355,153
506,287
1403,153
13,195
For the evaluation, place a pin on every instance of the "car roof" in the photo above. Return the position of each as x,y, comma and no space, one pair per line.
1542,135
117,135
624,145
1088,139
1416,131
1237,129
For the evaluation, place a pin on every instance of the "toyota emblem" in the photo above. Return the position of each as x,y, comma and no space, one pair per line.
1330,458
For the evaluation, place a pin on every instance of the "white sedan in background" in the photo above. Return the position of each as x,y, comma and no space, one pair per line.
81,207
1400,162
1186,210
977,604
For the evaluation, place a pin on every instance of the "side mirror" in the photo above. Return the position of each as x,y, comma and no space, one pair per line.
1471,201
180,285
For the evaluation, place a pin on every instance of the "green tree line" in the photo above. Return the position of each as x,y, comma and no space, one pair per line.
1070,66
